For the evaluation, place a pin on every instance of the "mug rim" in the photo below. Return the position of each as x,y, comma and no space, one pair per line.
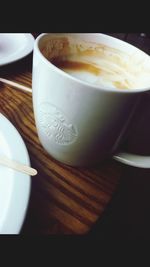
84,83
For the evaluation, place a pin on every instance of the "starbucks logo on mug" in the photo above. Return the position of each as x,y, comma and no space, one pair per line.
56,125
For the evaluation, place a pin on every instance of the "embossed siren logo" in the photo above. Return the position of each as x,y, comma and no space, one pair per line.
55,125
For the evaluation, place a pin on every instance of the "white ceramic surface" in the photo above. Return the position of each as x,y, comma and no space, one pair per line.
14,186
79,123
15,46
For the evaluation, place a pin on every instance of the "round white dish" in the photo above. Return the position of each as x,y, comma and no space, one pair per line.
15,46
14,186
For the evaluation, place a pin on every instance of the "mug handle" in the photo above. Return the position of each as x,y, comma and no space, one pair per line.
133,159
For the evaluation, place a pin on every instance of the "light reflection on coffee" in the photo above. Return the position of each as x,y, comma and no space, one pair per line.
97,63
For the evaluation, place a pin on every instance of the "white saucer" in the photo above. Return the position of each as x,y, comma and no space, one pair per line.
14,186
15,46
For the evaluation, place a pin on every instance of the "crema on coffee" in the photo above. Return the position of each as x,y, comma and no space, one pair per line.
98,64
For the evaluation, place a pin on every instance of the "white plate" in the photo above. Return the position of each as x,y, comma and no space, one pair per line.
15,46
14,186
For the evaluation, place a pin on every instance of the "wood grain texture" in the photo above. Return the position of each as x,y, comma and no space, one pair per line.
63,200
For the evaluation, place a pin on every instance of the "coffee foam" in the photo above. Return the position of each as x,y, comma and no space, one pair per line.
97,63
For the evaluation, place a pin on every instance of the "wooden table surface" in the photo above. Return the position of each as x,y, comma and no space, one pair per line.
63,199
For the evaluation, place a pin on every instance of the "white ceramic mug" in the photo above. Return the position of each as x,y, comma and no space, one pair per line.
79,123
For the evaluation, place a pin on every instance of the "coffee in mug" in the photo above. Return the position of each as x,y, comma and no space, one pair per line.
86,89
96,63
